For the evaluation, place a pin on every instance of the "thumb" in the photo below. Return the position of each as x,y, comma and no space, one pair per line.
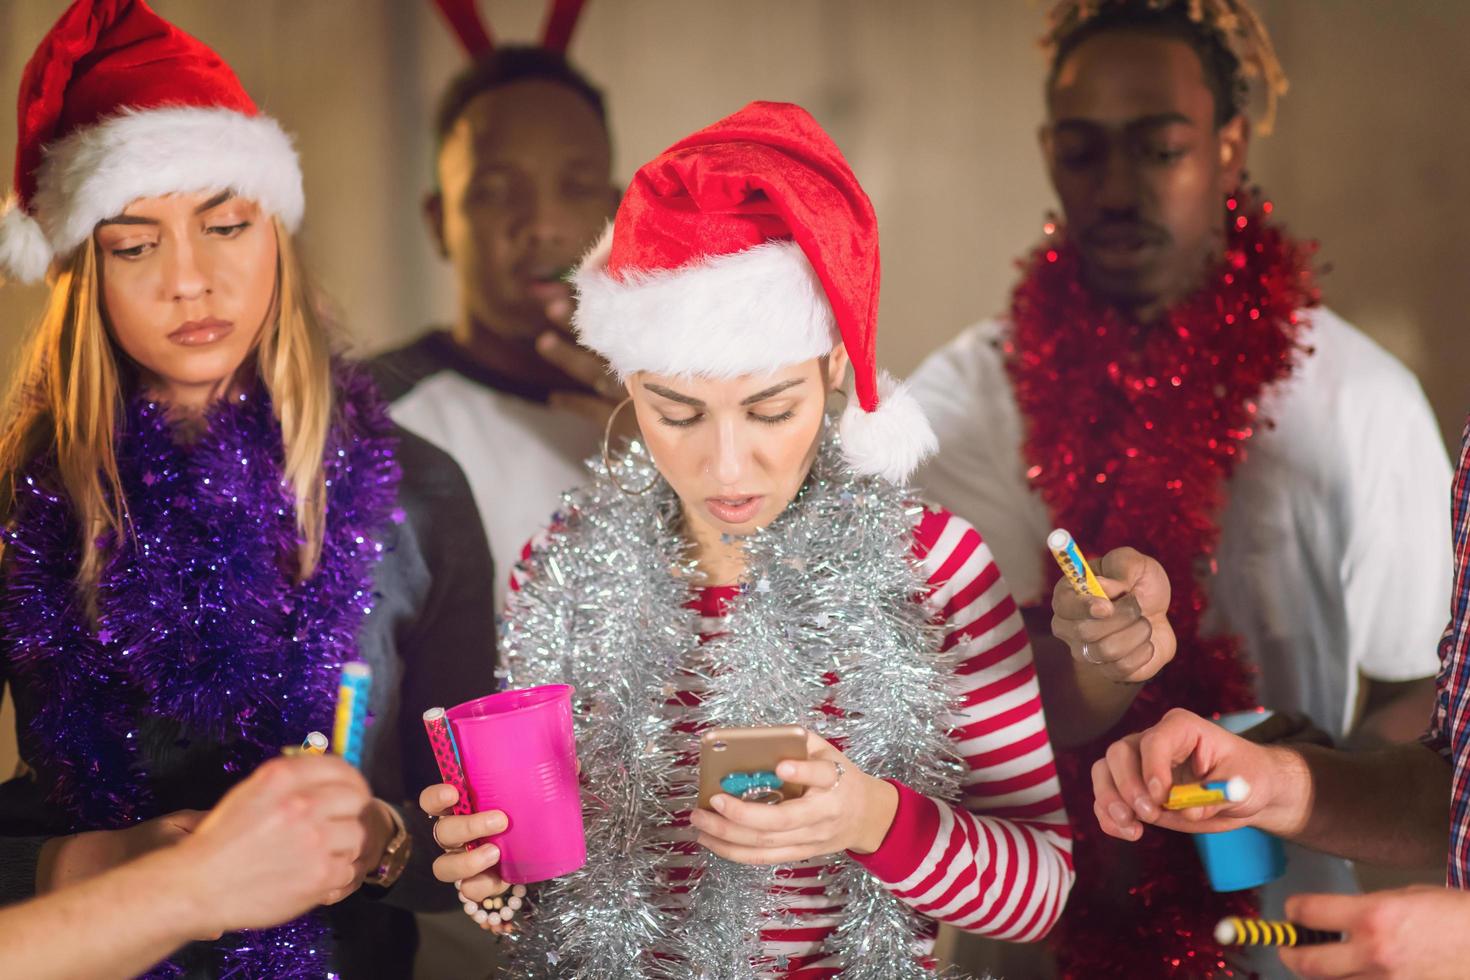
1127,566
818,747
1139,574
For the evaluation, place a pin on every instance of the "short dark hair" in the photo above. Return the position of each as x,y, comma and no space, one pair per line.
1222,68
505,66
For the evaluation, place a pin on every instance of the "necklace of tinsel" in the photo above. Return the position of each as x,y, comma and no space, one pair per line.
199,620
830,590
1132,432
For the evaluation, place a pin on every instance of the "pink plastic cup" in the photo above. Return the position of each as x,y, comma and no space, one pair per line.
519,755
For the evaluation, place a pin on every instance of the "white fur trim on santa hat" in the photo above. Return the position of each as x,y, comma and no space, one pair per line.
890,441
722,316
25,254
98,170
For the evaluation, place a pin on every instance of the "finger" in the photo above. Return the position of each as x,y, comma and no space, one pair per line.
763,816
483,886
1132,667
592,407
1335,960
324,768
461,865
1334,913
1066,603
343,883
343,838
438,800
757,855
1124,615
1143,665
716,826
1168,745
1125,764
1124,642
815,773
559,312
578,363
1114,816
459,831
186,821
333,801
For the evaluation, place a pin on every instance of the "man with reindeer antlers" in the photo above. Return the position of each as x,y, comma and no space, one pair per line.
523,188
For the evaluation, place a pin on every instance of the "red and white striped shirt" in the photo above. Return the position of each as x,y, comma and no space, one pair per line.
999,862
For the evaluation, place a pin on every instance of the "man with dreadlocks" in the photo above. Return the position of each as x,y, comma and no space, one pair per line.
1167,380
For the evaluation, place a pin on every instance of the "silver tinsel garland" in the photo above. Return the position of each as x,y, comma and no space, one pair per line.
830,588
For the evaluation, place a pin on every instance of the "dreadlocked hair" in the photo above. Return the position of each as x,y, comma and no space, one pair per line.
1229,37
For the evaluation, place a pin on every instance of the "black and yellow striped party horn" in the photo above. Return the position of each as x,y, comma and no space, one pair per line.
1237,931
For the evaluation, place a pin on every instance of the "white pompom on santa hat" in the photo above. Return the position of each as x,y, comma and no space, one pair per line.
744,248
118,104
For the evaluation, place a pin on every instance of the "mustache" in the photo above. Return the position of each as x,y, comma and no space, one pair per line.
1110,230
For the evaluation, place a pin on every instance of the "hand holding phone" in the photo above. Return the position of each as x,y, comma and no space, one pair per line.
742,762
821,803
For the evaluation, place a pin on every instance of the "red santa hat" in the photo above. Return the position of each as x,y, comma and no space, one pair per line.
118,104
744,248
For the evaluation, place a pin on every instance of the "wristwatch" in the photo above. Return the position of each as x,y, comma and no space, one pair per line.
395,855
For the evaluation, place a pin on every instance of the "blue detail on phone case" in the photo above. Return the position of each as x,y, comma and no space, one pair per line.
737,784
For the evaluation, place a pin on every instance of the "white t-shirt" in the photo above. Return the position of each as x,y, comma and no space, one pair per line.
518,455
1335,552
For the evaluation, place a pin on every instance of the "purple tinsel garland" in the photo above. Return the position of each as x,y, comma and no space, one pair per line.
199,623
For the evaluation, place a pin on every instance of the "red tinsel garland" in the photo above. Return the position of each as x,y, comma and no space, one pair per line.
1131,433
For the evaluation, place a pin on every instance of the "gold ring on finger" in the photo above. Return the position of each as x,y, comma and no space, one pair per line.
434,833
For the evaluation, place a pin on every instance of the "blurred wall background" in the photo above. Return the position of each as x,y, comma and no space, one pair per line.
935,102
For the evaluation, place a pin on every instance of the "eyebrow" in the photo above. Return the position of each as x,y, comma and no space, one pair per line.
490,166
754,399
133,219
1143,122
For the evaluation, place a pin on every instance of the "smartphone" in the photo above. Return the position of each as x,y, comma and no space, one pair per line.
750,755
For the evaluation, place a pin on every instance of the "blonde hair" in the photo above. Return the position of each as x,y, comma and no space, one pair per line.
69,394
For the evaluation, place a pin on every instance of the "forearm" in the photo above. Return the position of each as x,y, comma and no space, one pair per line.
115,925
1081,704
1388,806
1392,712
998,877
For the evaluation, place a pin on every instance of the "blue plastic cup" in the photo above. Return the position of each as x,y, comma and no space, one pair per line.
1235,860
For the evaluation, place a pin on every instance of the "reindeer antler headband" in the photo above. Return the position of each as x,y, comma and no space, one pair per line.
477,40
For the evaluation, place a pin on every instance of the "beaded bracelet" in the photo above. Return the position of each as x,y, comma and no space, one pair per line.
496,909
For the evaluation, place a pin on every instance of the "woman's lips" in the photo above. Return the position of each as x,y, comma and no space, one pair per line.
734,510
197,333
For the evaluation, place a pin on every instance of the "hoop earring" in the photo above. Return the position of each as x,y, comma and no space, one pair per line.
607,456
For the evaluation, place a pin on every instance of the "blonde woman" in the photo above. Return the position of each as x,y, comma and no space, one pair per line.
205,514
765,564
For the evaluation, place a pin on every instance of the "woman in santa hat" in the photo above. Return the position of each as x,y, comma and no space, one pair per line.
753,561
205,513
